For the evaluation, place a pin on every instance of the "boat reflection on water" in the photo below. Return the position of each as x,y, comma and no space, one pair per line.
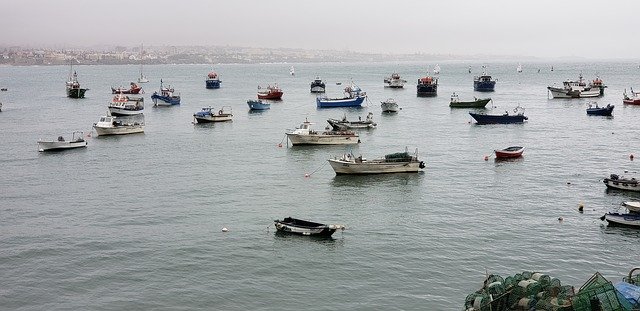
499,161
386,180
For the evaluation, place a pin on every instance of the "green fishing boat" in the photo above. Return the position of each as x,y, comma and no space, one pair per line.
476,103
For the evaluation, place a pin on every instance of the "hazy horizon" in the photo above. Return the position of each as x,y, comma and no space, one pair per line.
544,29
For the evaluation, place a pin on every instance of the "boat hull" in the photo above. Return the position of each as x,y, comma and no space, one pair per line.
159,100
321,139
484,86
346,167
427,90
622,184
76,93
497,119
604,111
633,207
389,107
212,84
481,103
119,130
270,95
60,145
215,118
124,112
631,101
564,93
320,231
507,153
334,103
625,220
258,105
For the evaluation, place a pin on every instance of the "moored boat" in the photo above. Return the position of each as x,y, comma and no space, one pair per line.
594,110
353,97
258,104
165,97
618,219
436,69
77,141
389,105
109,125
578,89
208,115
133,89
615,181
633,99
304,135
632,206
394,81
317,86
509,152
212,81
475,103
73,87
506,118
122,105
305,227
270,92
344,124
484,82
427,86
401,162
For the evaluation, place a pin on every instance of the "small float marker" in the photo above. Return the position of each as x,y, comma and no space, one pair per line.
280,145
631,157
560,219
580,207
486,158
224,229
306,175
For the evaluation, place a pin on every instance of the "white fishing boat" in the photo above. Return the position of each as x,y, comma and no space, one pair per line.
578,89
108,125
292,71
209,115
123,105
77,141
401,162
390,105
142,78
625,220
304,135
394,81
622,183
436,69
519,68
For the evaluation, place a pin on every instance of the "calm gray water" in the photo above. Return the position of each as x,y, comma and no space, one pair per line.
134,222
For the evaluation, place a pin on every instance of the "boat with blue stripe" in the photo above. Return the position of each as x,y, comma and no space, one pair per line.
258,105
353,97
484,83
165,97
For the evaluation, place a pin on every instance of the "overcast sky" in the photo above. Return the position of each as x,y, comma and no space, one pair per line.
542,28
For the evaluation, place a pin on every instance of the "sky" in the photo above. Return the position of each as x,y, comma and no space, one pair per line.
541,28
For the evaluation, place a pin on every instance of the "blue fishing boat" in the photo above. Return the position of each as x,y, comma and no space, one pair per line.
165,97
258,105
484,83
506,118
213,82
600,111
353,97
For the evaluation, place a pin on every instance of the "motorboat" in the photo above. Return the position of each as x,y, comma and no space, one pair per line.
73,86
484,82
615,181
212,81
578,89
507,118
594,110
209,115
258,104
304,227
353,97
270,92
77,141
394,81
304,135
109,125
401,162
509,152
632,206
122,105
317,86
632,99
389,105
344,124
475,103
427,86
133,89
625,220
165,97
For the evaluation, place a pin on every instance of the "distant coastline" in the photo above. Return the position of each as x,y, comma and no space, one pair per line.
155,55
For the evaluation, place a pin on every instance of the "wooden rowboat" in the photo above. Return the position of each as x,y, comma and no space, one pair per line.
510,152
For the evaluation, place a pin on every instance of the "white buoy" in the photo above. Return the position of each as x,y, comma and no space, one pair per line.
224,229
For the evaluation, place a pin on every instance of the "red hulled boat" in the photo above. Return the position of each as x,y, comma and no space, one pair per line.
134,89
271,92
510,152
634,99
